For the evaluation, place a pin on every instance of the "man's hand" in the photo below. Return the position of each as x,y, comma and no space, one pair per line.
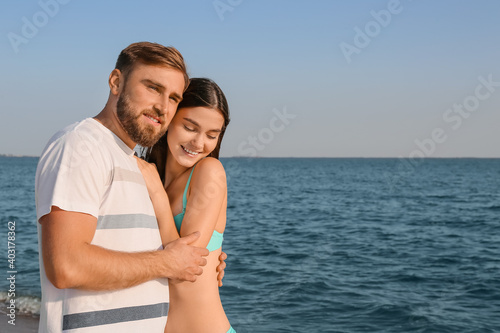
221,267
183,260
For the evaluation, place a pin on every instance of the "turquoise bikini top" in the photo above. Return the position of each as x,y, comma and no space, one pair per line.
217,237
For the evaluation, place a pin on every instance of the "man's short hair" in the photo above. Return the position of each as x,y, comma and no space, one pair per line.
151,54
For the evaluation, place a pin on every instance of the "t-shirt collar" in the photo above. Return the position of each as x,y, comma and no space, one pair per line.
126,149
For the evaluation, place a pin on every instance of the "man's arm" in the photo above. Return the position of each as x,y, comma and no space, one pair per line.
70,260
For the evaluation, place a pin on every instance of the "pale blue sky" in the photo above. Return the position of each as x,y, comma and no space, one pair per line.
272,58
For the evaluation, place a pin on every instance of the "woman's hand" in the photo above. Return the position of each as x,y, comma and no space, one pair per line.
151,177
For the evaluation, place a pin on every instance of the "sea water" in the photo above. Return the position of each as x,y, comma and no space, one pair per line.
331,245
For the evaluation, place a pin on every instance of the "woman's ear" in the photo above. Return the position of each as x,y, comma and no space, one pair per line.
115,81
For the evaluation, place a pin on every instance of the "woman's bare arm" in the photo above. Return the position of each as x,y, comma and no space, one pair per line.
214,175
161,204
207,196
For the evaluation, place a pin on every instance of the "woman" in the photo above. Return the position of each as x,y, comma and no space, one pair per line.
189,176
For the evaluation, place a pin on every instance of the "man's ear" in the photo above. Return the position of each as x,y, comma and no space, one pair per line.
115,81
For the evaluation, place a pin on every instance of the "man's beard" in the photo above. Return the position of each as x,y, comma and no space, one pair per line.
145,136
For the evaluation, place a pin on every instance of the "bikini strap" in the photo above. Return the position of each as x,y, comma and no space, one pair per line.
184,197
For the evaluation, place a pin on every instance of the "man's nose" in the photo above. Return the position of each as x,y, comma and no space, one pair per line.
162,107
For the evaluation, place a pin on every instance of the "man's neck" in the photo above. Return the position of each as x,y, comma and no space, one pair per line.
108,118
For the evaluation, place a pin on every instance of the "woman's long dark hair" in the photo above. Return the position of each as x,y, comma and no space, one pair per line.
201,92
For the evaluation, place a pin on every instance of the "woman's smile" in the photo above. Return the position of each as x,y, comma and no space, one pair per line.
189,152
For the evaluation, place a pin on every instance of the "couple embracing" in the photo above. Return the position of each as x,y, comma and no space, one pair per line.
123,243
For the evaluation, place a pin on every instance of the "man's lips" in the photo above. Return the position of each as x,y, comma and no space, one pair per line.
155,120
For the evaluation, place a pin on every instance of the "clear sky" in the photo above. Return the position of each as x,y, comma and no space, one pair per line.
303,78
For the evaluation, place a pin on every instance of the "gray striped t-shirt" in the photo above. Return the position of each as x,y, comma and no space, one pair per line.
86,168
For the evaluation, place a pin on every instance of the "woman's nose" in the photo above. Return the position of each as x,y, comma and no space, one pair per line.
197,141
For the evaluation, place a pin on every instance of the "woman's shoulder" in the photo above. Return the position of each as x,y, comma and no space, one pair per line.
209,169
210,164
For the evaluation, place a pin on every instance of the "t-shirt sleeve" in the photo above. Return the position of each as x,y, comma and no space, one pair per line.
69,177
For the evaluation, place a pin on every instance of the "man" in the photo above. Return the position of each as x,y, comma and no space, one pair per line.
102,265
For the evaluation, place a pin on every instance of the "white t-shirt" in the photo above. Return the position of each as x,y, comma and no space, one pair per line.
86,168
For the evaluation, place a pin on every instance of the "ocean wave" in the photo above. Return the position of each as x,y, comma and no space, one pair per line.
26,305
